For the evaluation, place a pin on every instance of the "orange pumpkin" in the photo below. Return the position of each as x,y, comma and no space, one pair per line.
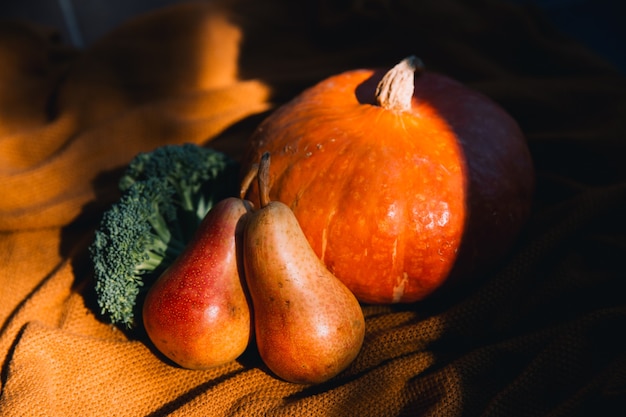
398,178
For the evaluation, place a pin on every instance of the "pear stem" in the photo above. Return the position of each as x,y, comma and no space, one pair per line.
395,89
264,179
247,180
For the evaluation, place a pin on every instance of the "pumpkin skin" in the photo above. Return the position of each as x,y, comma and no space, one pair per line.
395,202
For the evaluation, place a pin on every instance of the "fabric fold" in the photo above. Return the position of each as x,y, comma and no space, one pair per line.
537,335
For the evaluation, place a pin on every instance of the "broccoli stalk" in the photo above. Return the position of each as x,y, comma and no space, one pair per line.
165,195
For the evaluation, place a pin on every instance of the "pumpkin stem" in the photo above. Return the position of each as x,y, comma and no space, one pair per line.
264,179
395,89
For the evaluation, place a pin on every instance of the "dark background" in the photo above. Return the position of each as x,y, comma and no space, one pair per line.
596,23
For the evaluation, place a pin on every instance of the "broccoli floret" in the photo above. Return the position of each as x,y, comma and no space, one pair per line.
165,195
196,175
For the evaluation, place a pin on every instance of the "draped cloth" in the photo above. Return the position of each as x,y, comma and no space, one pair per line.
540,334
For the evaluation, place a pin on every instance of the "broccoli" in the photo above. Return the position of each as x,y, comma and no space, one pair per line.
165,195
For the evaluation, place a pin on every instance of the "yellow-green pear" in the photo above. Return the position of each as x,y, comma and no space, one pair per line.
308,325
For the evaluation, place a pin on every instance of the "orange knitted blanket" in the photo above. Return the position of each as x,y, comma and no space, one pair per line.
540,335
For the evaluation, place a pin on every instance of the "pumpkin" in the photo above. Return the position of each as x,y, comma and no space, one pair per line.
400,179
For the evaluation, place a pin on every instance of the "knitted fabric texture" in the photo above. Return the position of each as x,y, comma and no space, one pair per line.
539,335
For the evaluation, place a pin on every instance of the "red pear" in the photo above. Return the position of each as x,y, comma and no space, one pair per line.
197,312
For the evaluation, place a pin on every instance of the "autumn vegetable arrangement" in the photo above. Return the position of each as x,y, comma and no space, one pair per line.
369,187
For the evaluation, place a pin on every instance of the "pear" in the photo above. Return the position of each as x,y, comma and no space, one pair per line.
197,313
308,325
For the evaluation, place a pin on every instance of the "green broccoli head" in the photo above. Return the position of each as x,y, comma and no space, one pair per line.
198,175
165,195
